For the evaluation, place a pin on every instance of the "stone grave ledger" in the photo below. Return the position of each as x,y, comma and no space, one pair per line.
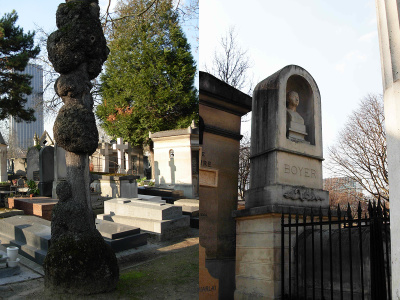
32,235
286,144
165,220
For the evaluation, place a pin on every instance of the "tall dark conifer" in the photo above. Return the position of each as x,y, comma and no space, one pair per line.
16,48
148,83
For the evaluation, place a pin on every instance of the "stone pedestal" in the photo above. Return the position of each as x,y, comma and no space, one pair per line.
258,253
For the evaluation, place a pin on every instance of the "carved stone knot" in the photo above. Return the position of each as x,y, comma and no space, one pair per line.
302,194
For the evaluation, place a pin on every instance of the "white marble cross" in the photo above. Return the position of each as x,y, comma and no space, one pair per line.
106,153
120,147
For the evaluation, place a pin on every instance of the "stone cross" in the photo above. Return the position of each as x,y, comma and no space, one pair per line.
105,151
120,147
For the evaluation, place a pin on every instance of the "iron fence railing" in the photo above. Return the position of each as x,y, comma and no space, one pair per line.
336,255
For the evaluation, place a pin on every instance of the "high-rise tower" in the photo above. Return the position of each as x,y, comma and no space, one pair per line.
21,134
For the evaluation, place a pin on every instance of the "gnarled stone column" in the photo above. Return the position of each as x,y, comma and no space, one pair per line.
78,261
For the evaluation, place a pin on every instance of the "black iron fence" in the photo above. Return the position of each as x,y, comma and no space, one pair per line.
336,255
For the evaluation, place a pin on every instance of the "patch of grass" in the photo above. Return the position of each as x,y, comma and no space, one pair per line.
168,274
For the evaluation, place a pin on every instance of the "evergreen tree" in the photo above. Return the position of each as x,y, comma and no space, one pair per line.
148,83
16,48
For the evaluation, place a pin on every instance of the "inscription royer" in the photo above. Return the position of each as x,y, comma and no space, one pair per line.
300,171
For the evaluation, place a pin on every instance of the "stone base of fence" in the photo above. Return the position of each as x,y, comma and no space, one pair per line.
258,251
258,256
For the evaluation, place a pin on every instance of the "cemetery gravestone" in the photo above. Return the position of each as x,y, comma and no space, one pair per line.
20,166
286,176
173,159
3,160
105,151
121,147
286,164
60,168
46,171
152,214
32,163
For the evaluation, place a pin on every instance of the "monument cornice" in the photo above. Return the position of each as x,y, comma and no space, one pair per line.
279,149
222,132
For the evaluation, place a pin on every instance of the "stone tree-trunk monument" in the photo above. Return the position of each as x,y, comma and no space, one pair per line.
78,261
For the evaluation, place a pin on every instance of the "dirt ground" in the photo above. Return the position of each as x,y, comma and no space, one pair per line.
169,271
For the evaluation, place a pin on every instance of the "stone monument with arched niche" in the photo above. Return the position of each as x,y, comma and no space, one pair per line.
286,142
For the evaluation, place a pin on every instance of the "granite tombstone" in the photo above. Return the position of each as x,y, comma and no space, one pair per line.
46,171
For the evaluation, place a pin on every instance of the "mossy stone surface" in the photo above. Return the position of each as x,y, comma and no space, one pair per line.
81,265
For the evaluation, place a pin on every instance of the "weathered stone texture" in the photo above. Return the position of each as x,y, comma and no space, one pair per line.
75,129
78,260
79,39
81,265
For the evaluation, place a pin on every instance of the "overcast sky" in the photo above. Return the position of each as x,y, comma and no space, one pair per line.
335,41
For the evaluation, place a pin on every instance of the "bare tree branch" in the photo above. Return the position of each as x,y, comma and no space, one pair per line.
231,64
244,166
360,152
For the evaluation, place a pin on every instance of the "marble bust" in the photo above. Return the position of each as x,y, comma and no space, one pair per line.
296,130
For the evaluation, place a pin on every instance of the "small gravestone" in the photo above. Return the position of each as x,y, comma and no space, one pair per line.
20,166
32,163
46,171
60,168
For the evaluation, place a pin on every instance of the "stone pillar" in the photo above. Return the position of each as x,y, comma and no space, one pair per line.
286,176
220,109
389,42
